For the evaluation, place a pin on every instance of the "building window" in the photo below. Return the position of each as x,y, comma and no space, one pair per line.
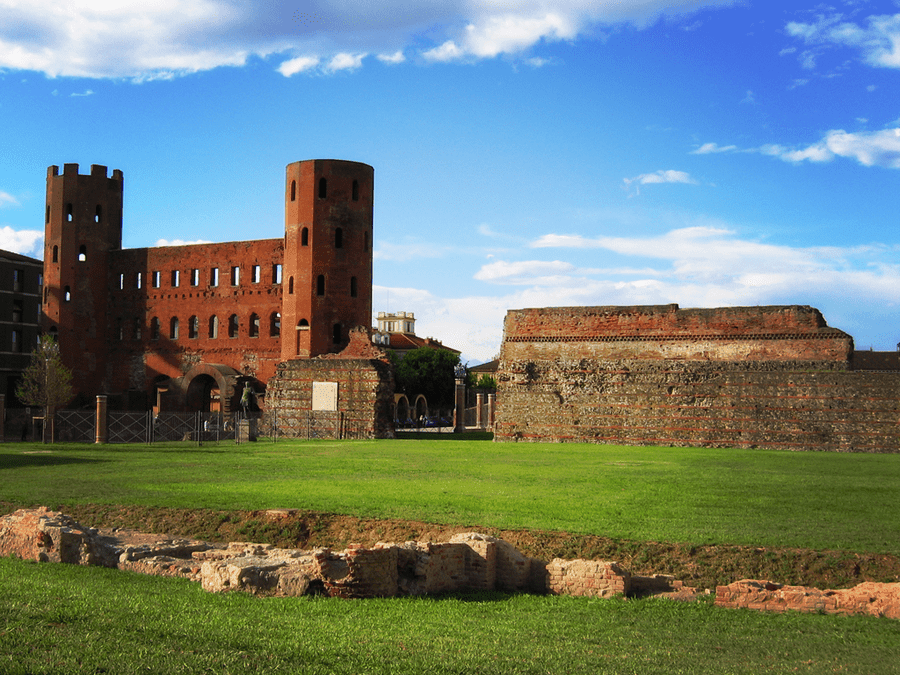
175,278
320,284
82,253
17,340
67,294
323,188
339,238
56,254
139,280
17,311
120,329
68,213
303,325
137,329
195,277
276,274
293,190
255,274
193,327
214,276
156,279
173,328
254,326
290,285
336,333
353,287
213,327
97,213
154,328
121,281
18,275
235,276
233,326
275,324
304,236
48,214
355,191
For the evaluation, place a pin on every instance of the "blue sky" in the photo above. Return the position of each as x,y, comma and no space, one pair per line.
527,153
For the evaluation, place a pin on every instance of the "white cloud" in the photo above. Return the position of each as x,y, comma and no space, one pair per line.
180,242
713,148
658,177
7,199
878,38
24,242
869,148
87,92
164,39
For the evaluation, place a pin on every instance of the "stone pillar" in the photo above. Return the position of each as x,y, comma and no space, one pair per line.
460,414
100,423
479,401
492,403
2,417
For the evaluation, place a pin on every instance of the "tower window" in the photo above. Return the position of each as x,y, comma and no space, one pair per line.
304,236
173,328
275,324
336,333
69,213
121,281
323,188
82,253
139,280
320,285
353,287
48,213
233,326
213,327
98,213
290,285
56,254
293,190
355,191
254,325
339,238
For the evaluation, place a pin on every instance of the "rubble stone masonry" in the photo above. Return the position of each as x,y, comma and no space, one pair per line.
769,377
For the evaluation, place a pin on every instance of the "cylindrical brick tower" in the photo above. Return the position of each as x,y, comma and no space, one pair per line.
83,223
327,271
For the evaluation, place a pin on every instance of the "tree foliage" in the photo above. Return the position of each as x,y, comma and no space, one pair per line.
429,372
46,382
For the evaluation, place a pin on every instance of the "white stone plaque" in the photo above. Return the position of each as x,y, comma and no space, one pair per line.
324,396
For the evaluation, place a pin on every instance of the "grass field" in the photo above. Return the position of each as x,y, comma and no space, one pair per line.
65,619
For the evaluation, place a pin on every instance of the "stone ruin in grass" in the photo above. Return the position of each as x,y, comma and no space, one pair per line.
468,562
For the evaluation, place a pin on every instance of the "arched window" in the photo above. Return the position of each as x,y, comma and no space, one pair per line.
336,333
67,294
213,327
290,285
82,253
173,328
98,213
69,212
233,326
193,327
56,254
303,325
339,238
254,325
323,188
356,190
293,190
304,236
320,284
275,324
154,328
48,213
353,287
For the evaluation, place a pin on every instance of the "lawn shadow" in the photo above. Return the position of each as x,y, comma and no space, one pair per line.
31,458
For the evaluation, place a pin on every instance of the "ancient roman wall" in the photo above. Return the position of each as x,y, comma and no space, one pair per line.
364,381
771,377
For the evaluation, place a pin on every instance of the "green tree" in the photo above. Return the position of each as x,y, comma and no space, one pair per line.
429,372
46,382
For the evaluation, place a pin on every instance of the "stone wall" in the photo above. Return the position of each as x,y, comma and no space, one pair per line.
771,377
868,598
365,383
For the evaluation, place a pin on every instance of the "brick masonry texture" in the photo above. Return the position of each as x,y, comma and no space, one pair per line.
769,377
469,561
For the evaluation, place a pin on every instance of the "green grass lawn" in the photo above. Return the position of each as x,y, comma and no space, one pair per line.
59,618
700,496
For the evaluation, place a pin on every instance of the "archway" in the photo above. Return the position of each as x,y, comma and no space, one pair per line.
204,395
401,411
421,407
210,388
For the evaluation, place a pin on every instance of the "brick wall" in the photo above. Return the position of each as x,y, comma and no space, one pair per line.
774,377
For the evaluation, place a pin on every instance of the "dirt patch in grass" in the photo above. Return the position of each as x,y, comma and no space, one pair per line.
699,566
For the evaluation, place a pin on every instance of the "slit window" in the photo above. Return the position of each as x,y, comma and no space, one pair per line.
213,327
173,328
193,327
69,213
355,195
255,274
354,290
336,333
98,213
304,236
56,254
67,294
235,276
339,238
320,285
290,285
214,276
323,188
293,190
82,253
233,326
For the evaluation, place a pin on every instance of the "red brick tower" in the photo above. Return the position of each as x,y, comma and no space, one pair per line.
83,223
327,272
